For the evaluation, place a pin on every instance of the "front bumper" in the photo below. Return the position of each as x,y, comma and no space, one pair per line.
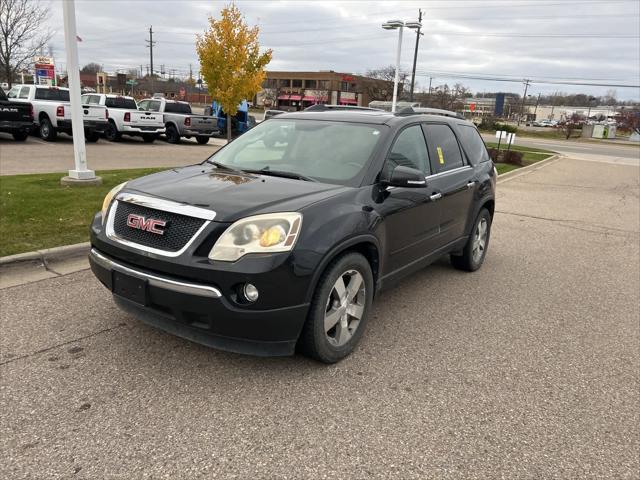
200,312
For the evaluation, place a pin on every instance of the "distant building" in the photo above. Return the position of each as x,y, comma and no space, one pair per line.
298,90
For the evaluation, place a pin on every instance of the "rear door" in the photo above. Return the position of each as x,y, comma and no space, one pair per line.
452,179
411,217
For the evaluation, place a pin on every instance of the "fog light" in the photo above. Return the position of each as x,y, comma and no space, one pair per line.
250,292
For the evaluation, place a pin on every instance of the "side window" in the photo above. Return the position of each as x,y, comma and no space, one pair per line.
473,143
409,150
153,106
94,99
13,93
444,150
24,92
143,105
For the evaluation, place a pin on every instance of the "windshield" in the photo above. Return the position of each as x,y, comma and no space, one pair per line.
331,152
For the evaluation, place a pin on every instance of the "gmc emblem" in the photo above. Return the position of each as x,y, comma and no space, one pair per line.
150,225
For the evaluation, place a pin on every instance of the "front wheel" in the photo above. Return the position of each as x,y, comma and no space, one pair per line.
202,140
172,134
20,136
339,309
475,250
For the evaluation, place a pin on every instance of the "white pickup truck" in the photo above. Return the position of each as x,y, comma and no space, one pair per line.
52,111
180,121
125,118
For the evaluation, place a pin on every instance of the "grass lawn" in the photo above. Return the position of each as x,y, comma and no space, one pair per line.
531,155
37,212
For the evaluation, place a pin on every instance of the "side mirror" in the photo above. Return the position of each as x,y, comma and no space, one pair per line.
405,177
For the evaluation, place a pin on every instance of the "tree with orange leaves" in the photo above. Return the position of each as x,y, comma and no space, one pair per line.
230,60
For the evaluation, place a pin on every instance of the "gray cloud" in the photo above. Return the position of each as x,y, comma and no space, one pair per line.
346,36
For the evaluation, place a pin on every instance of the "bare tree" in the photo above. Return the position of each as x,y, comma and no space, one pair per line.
383,90
92,68
23,35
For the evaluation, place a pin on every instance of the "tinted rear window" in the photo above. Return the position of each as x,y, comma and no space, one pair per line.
53,94
121,102
175,107
473,143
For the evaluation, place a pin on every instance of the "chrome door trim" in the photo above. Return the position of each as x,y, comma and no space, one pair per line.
448,172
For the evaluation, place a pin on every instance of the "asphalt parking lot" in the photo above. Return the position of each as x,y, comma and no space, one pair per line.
37,156
527,368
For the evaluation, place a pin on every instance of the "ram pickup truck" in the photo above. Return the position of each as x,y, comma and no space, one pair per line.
180,121
125,118
16,118
52,111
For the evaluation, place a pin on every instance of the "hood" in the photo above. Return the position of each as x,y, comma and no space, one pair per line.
232,196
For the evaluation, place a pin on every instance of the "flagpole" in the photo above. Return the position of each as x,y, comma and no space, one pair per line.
81,173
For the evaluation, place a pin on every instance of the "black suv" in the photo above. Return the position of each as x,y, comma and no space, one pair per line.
282,238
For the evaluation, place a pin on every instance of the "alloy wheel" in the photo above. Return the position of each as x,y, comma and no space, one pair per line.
345,307
479,240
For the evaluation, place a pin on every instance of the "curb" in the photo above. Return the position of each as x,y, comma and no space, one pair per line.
46,255
527,169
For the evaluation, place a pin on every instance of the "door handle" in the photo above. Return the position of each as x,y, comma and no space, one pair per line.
435,196
471,184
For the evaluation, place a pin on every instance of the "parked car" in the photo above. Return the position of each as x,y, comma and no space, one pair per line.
272,113
180,121
16,118
52,111
283,237
125,118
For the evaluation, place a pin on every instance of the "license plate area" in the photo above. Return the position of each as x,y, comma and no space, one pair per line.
131,288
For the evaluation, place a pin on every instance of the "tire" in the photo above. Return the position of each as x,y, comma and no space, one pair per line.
149,137
20,136
475,250
111,133
172,134
333,344
202,140
47,132
91,136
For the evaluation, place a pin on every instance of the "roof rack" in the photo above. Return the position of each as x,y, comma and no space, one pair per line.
428,111
319,107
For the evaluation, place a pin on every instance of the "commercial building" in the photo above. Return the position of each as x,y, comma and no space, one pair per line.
298,90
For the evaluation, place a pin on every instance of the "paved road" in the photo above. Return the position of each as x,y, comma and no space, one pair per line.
37,156
595,151
525,369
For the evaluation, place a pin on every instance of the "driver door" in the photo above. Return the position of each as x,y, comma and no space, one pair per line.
411,217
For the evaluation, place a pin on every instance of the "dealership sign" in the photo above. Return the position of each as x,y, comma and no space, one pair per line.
45,71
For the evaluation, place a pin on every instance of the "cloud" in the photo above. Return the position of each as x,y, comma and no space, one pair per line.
459,37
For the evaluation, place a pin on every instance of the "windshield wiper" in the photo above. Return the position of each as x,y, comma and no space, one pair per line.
282,173
225,167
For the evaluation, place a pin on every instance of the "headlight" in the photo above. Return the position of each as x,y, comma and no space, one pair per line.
108,198
269,233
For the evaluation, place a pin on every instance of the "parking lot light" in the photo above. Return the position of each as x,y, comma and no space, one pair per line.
393,25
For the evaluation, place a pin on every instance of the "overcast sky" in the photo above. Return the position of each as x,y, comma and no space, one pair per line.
596,41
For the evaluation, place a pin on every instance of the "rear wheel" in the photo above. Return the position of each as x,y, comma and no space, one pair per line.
20,136
339,309
47,132
149,137
91,136
172,134
475,249
111,133
202,140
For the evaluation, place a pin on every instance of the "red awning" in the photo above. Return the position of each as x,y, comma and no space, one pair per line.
283,97
348,101
310,99
295,97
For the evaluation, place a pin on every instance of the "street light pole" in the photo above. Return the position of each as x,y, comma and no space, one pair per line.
81,174
392,25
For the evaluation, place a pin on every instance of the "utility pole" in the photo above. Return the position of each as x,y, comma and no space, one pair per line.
430,78
524,98
150,44
415,55
535,111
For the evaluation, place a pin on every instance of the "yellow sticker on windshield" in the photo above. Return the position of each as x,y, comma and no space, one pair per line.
440,156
